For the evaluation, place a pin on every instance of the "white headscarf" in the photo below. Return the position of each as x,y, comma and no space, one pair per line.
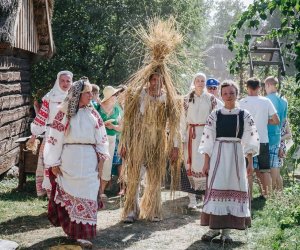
56,94
192,87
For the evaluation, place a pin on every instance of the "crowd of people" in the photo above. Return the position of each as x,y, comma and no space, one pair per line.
224,141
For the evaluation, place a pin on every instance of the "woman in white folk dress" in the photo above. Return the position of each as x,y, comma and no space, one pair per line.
229,136
75,151
42,122
198,104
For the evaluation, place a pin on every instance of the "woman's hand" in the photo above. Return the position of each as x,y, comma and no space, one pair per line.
56,171
109,125
205,168
281,153
32,139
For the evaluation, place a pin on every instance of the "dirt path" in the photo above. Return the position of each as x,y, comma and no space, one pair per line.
180,229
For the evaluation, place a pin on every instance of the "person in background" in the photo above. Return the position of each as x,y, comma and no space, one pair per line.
229,136
274,130
111,115
117,164
212,86
263,113
96,99
42,123
286,134
198,104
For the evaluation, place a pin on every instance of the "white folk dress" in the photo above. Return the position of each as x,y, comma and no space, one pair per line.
77,154
41,124
197,112
226,203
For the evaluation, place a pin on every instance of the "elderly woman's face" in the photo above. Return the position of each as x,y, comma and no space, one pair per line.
85,98
199,82
65,82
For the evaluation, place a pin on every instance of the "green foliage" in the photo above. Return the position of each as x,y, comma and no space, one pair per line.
254,16
279,219
96,38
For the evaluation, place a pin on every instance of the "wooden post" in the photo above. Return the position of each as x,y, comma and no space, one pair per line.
22,174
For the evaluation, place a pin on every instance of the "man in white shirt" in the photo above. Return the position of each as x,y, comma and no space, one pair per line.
264,113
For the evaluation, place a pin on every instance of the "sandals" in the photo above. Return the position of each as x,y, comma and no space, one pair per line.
210,235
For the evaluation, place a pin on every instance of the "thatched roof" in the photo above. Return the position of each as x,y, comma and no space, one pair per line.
42,9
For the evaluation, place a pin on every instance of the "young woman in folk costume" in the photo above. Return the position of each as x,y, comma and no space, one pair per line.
198,105
42,123
151,107
229,136
75,150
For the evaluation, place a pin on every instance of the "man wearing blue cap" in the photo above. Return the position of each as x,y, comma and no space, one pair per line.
212,86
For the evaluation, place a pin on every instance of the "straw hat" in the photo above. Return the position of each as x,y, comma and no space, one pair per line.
108,92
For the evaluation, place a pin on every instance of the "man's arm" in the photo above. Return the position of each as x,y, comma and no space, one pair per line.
274,120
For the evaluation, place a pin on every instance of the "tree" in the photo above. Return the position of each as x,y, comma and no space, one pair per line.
95,38
254,16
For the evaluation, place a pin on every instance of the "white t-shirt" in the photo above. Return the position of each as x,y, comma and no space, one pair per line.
261,108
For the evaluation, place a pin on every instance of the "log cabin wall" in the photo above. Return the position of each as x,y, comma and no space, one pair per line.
25,35
14,104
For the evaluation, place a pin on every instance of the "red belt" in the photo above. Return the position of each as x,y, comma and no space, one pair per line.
192,135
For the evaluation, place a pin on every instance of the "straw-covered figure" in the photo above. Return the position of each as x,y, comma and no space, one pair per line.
151,126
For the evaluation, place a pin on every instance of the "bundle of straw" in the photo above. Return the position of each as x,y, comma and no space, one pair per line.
144,135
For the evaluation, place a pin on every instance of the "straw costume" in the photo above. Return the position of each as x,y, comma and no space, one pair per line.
146,117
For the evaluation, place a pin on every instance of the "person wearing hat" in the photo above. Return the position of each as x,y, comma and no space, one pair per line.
212,86
111,115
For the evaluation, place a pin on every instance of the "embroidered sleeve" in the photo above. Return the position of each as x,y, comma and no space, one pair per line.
38,126
54,141
250,139
101,137
209,135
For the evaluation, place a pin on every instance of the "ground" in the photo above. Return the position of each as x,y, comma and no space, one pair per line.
180,229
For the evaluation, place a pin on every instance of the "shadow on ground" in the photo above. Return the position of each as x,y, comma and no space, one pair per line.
215,244
121,236
24,224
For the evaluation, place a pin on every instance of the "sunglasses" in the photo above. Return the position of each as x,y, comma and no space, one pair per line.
212,88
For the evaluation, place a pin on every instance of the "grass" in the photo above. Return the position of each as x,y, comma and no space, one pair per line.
276,222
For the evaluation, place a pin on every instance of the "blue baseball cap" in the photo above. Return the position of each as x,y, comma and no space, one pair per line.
212,82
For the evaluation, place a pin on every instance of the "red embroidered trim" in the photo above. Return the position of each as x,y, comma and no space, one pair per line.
99,119
56,124
79,209
39,122
228,195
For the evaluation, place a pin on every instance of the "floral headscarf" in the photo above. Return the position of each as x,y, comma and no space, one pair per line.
71,103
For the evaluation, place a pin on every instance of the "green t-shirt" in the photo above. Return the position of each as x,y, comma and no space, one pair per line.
115,114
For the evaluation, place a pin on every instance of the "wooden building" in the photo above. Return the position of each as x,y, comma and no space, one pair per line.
25,36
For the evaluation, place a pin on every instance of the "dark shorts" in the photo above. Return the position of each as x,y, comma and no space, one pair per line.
262,161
